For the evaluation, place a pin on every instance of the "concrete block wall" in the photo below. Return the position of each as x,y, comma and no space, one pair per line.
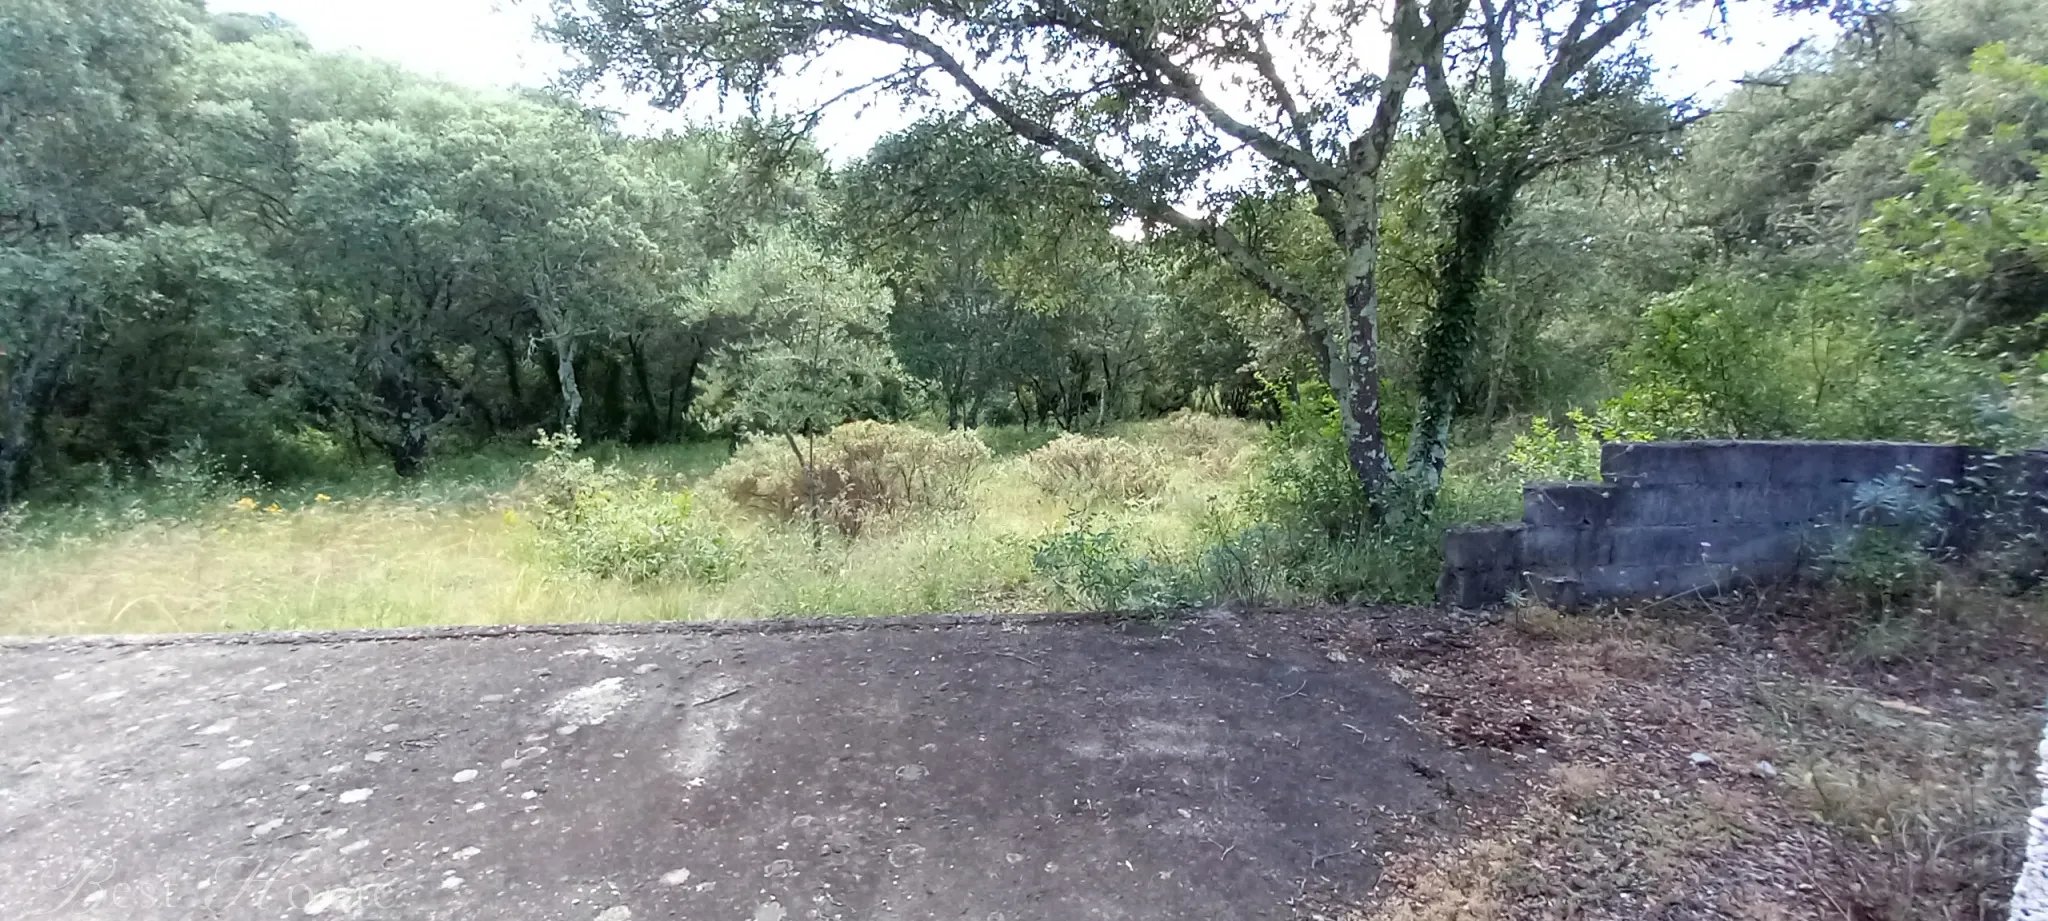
1668,518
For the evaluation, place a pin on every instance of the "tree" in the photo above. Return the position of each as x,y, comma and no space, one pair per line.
1980,215
813,347
569,246
83,165
1501,132
704,193
1791,164
1127,93
1009,282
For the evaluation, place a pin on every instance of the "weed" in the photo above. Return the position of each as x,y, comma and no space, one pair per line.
863,474
1086,471
1097,568
1934,804
603,522
438,549
1538,622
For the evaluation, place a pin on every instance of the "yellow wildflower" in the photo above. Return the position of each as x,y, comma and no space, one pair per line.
246,504
273,508
323,497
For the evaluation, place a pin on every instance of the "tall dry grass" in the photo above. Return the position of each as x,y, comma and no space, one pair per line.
447,553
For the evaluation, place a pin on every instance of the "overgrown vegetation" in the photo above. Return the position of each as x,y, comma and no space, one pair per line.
607,523
278,328
858,476
994,360
1086,471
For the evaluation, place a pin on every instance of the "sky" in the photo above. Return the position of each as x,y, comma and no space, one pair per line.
492,43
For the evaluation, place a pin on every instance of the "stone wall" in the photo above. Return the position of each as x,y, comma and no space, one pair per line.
1669,518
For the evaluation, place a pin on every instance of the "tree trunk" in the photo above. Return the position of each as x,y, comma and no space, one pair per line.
565,372
34,371
1365,442
806,467
1480,215
409,455
1108,393
405,398
14,455
510,352
689,381
651,429
608,419
1355,378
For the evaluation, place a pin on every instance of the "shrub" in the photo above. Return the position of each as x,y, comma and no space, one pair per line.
1303,477
1086,471
1100,570
1813,357
603,522
864,473
1313,534
1213,440
1882,559
192,473
1546,453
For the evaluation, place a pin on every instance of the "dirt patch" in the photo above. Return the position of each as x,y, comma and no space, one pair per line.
1218,767
1741,760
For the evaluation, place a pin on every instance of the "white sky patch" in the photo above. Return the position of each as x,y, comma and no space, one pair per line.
493,43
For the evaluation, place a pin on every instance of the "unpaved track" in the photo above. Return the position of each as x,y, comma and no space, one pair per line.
1059,769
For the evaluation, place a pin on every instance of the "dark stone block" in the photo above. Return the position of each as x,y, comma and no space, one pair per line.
1669,505
1690,545
1720,463
1766,548
1643,463
1565,548
1673,545
1779,463
2004,499
1483,547
1815,462
1559,504
1676,517
1611,582
1711,505
1786,505
1560,592
1474,588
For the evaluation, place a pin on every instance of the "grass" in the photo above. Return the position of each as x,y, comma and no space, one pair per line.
171,554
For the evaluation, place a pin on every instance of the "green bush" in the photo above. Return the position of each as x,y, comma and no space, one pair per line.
1305,530
1100,570
863,474
1088,471
1814,358
1213,441
1883,559
1546,453
602,522
1302,477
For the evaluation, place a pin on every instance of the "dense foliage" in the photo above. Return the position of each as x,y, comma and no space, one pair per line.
220,247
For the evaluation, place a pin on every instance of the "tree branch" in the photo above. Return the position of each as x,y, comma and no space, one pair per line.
1579,49
1182,84
1415,41
1492,19
1260,271
1450,120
